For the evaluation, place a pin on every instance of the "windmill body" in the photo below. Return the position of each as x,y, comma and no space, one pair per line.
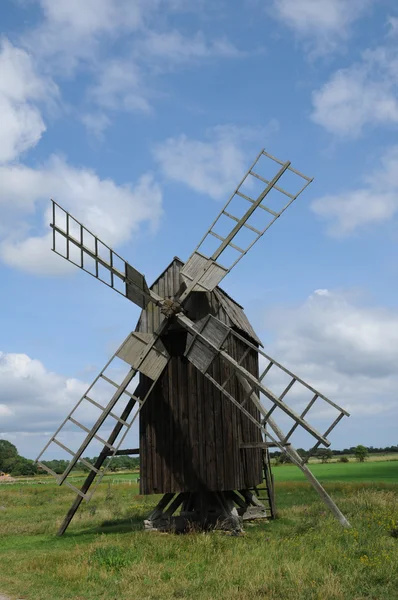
190,434
207,415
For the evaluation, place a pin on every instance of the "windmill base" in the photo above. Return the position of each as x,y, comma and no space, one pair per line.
205,511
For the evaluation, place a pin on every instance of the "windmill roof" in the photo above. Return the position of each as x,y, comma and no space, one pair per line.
233,309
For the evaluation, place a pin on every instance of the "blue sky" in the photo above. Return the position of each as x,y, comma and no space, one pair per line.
140,117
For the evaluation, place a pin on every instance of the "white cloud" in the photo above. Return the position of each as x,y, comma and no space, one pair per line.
119,85
35,398
73,36
213,166
325,22
34,401
111,211
364,94
71,31
346,350
21,87
393,22
375,202
174,48
96,123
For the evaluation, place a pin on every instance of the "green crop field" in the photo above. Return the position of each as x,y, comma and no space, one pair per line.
367,471
302,555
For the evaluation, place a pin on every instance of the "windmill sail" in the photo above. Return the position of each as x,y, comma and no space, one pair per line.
148,354
207,341
242,218
74,242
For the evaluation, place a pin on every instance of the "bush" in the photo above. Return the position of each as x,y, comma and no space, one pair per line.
344,459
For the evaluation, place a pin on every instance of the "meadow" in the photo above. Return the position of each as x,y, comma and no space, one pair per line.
302,555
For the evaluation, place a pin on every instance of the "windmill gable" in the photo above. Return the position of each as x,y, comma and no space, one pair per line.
218,303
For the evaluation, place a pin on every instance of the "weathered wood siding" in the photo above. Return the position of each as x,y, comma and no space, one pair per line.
190,433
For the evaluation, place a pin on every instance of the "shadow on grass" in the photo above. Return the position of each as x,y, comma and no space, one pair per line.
125,525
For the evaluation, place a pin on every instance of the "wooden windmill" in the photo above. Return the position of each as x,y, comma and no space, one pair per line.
206,414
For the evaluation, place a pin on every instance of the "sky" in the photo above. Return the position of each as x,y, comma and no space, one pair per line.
140,117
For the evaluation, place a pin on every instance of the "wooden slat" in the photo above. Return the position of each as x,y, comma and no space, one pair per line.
200,426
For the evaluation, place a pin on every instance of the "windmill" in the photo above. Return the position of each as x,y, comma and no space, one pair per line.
206,414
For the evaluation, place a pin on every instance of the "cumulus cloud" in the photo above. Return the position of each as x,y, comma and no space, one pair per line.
346,350
375,202
70,32
72,37
96,123
362,95
119,86
21,88
34,401
81,192
213,166
174,48
325,22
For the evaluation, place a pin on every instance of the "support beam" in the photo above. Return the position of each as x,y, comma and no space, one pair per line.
98,463
296,458
127,452
263,445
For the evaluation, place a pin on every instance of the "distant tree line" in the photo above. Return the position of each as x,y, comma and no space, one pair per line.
360,453
14,464
118,463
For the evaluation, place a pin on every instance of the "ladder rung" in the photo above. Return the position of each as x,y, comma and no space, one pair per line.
111,414
245,197
230,244
116,385
269,210
307,408
269,413
227,214
266,370
110,381
276,214
237,248
53,473
88,465
275,186
288,388
75,489
257,231
217,235
97,437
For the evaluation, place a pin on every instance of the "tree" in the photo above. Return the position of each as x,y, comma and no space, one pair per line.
361,453
324,454
8,455
302,453
282,459
24,466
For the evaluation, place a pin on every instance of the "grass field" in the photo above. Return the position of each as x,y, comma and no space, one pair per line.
303,555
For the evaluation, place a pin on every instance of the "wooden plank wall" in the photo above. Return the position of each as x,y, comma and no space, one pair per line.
190,433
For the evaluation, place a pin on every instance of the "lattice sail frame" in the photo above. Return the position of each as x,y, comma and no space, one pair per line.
137,350
78,245
208,339
203,272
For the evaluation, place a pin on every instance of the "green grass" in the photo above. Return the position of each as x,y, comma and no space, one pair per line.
355,471
303,555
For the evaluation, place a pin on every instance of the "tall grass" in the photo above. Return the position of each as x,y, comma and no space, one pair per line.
303,555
